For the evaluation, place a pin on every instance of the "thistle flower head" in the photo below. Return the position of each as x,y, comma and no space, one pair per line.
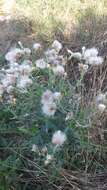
95,61
40,63
51,55
36,46
25,69
93,52
24,82
58,70
57,45
27,51
47,97
49,109
14,55
57,96
9,79
58,138
101,108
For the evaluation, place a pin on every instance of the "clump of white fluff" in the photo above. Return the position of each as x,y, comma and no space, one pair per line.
58,70
14,55
92,52
24,82
101,108
9,79
49,109
59,138
17,74
27,52
95,60
41,63
91,57
25,68
37,46
48,102
57,45
51,55
47,97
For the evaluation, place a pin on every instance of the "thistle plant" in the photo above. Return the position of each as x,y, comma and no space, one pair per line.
44,126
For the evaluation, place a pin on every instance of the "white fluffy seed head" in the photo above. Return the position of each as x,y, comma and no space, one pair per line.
101,108
49,109
93,52
9,79
24,82
25,69
57,45
58,70
14,55
14,65
57,96
36,46
50,52
40,63
59,138
51,55
95,61
47,97
27,51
